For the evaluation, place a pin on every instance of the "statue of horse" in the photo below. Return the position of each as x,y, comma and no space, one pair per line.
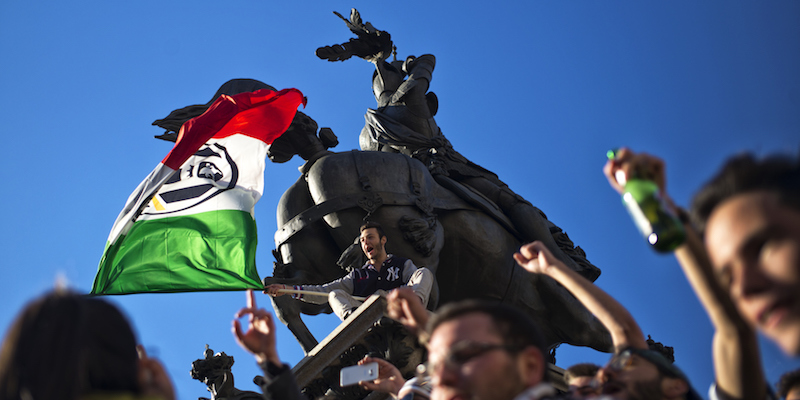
469,251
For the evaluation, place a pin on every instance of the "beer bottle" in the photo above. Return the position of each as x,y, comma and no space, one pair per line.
659,226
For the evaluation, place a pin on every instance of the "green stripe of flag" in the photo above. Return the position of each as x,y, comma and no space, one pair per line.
213,250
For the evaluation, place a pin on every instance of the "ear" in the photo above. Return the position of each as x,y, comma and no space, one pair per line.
383,241
531,366
674,388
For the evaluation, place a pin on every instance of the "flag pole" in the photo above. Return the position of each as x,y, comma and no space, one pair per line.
310,293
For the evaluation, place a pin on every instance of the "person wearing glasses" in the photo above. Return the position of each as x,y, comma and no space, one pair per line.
485,351
580,380
635,371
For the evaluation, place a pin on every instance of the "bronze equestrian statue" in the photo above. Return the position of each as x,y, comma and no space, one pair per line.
469,251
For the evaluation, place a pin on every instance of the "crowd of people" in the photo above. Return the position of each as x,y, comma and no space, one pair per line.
741,255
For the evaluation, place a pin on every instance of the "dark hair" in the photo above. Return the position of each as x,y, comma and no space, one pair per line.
746,174
580,370
516,328
63,346
373,224
788,381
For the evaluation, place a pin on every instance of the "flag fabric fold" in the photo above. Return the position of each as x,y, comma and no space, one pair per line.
189,225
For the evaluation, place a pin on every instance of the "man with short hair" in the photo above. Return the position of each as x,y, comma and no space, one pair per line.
580,380
742,258
382,271
486,351
642,374
750,216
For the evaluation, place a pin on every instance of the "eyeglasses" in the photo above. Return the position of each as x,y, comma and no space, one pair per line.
621,361
460,354
586,390
625,360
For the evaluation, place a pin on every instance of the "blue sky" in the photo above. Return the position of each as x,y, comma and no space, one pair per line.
535,91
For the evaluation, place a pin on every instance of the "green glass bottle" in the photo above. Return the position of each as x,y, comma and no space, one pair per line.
660,227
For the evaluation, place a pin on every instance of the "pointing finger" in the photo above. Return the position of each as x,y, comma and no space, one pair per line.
251,299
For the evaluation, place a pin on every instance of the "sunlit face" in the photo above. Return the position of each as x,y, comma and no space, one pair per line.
754,244
630,378
482,375
372,244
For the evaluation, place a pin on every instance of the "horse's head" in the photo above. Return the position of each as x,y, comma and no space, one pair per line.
173,122
301,138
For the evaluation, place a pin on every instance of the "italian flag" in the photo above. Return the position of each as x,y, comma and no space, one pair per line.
189,225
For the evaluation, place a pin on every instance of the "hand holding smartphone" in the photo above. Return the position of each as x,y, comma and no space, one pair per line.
357,373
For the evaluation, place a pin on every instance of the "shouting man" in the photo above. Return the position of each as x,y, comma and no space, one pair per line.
382,271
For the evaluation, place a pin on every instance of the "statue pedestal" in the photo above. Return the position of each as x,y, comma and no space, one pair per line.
366,331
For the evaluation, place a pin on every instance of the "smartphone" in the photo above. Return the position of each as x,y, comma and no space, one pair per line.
357,373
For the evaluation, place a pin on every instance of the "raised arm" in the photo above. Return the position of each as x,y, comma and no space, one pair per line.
737,362
259,339
625,332
404,306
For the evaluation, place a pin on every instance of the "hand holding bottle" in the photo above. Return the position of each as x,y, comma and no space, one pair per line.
623,163
641,181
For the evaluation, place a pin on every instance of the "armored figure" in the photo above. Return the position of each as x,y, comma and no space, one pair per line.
404,122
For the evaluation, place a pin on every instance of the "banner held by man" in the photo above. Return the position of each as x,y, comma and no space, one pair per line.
189,225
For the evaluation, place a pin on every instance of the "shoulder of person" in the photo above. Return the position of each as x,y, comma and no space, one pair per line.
397,259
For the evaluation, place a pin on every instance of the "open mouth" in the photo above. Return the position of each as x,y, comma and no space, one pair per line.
773,314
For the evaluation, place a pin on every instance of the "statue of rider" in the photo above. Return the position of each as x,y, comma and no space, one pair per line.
404,122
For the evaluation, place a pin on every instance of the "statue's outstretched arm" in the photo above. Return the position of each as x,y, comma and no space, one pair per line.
420,74
370,44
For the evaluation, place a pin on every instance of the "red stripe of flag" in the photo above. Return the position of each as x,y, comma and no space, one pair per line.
263,115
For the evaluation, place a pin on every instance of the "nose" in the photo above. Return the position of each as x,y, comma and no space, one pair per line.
751,281
443,376
604,374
